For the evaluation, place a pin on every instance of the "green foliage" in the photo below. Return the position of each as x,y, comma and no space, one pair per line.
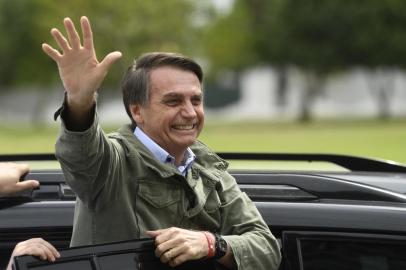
228,40
19,61
130,26
332,34
321,36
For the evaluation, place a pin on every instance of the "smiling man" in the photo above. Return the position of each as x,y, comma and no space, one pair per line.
152,178
172,115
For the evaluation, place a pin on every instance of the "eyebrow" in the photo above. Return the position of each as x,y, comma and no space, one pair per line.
176,95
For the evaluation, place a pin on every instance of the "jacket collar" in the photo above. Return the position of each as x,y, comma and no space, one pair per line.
206,162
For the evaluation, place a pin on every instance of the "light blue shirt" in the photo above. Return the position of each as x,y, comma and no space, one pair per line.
163,156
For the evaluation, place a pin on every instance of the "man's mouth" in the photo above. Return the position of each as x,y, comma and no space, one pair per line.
184,127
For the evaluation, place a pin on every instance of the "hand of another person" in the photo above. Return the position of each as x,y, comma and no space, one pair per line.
176,246
10,174
80,71
36,247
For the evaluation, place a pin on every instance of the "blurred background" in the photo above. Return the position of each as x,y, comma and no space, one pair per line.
280,75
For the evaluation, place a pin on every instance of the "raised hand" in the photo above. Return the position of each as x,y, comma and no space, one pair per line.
10,174
80,71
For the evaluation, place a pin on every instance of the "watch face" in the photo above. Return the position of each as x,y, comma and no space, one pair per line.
221,247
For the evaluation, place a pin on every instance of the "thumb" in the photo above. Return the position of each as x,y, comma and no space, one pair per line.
110,59
26,185
153,234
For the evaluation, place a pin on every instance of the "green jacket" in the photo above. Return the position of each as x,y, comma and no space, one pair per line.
123,191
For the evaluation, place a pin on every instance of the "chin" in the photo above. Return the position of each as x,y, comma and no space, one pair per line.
187,142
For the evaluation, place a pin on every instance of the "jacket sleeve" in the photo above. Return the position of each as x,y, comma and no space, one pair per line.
245,231
89,161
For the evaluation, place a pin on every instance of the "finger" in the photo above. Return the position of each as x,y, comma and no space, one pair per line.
72,33
87,33
177,255
49,254
60,39
44,253
178,260
35,250
50,248
162,248
55,252
110,59
165,246
26,185
51,52
166,257
169,234
172,253
153,234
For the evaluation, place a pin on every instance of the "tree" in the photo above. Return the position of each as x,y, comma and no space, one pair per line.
228,46
327,36
319,37
131,26
229,40
20,52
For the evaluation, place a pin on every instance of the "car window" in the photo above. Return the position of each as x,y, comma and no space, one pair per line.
333,251
352,254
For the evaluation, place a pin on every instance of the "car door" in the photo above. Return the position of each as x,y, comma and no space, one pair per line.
127,255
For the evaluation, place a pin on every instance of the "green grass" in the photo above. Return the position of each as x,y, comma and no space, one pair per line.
374,139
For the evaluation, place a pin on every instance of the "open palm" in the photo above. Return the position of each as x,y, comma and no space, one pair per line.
80,71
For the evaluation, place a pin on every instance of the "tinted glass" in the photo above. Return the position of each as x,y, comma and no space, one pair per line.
125,261
79,264
352,255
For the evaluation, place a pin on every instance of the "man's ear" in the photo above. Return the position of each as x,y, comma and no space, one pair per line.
136,114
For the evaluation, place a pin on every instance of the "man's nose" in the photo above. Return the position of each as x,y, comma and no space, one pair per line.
188,110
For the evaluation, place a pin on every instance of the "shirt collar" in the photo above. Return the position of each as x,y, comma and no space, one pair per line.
161,154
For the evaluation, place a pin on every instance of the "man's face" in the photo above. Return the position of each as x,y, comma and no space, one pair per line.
174,115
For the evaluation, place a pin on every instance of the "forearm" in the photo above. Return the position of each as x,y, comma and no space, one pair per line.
81,155
246,233
259,250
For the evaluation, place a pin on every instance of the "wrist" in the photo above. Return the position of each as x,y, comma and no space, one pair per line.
81,103
210,244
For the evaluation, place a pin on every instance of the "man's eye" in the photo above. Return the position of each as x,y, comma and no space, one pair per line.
196,101
172,102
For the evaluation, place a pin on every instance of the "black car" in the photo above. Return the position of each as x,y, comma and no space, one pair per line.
349,217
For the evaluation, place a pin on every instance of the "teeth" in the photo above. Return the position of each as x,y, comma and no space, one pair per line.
183,127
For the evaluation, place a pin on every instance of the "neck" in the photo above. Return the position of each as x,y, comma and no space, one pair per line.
179,157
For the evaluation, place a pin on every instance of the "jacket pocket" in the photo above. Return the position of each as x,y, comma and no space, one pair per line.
159,195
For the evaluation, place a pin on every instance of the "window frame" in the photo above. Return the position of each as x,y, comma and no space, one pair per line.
142,250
